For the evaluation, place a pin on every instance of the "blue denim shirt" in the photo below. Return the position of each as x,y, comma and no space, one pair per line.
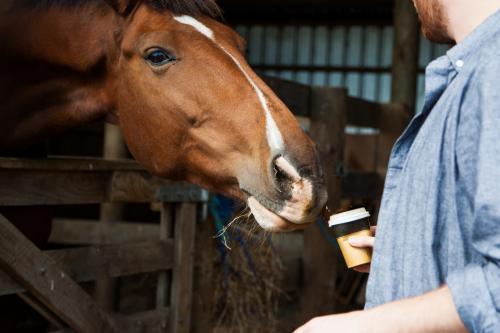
439,221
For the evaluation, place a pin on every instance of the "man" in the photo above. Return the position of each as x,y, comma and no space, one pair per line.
436,263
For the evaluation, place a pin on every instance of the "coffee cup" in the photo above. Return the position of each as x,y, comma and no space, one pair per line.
349,224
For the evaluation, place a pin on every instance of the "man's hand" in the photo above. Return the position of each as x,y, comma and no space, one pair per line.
348,322
363,242
433,312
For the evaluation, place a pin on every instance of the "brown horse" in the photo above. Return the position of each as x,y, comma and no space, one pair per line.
175,80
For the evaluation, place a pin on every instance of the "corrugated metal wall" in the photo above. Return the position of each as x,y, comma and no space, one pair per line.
356,57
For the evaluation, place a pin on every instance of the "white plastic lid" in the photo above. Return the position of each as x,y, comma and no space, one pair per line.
349,216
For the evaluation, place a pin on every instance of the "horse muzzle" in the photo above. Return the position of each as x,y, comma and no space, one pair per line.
297,201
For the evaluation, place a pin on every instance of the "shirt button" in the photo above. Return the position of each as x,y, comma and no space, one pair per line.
460,63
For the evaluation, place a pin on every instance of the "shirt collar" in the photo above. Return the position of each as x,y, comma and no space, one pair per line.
461,53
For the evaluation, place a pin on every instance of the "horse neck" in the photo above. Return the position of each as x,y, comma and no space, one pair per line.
54,63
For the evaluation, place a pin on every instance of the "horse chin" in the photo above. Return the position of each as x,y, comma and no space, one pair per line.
271,221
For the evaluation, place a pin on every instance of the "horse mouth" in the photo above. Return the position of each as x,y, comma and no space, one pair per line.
271,221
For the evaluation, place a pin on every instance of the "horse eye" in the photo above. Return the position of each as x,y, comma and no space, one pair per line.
159,57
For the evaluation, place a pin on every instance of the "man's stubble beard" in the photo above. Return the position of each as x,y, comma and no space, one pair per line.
434,21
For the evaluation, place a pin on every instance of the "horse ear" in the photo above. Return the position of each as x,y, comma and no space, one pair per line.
123,7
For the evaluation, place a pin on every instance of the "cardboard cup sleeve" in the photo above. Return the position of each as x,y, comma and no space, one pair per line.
349,224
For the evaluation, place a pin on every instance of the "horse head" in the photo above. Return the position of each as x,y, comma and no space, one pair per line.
191,108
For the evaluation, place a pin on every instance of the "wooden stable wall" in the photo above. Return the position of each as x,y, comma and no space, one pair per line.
329,111
48,280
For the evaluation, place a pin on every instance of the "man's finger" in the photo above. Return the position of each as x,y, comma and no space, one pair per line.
362,241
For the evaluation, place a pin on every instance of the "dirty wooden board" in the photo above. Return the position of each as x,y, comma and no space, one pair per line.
328,119
86,264
79,232
41,276
182,281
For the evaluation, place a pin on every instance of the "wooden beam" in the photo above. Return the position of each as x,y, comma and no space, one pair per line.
320,258
40,275
88,263
83,232
182,281
68,164
405,54
296,96
362,113
26,187
164,233
113,148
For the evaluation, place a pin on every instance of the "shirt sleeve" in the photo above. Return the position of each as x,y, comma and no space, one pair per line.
476,288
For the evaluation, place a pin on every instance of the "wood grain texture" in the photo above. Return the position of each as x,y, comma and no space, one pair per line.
69,164
164,233
405,54
41,276
182,281
27,187
88,263
362,113
296,96
84,232
320,258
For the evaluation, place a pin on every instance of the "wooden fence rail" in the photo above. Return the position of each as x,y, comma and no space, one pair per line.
48,280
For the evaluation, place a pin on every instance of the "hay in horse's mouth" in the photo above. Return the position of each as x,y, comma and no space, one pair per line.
269,220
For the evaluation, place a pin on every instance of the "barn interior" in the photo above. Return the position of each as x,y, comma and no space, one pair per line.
353,74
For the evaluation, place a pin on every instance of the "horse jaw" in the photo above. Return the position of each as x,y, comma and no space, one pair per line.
270,221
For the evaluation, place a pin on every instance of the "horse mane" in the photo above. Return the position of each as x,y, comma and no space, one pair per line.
188,7
178,7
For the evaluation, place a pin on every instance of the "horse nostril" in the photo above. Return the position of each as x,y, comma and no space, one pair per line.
282,165
285,174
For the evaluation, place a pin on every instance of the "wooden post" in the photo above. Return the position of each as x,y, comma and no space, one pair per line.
203,284
114,148
320,259
405,54
182,276
163,286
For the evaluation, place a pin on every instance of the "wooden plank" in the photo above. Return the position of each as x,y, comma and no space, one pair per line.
362,113
154,321
40,275
35,187
84,232
130,186
361,152
182,281
69,164
88,263
320,258
42,310
113,148
405,57
163,286
296,96
203,277
21,188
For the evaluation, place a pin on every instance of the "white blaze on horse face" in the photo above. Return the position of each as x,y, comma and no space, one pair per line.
274,137
203,29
